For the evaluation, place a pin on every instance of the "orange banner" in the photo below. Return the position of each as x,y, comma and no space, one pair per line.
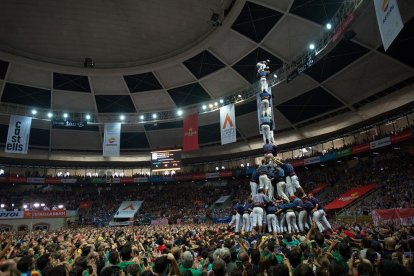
45,214
350,196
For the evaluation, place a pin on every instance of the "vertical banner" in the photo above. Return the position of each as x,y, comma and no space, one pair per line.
18,135
227,124
112,139
389,20
190,132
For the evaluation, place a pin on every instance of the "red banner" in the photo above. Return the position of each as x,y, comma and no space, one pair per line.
404,216
199,176
361,148
45,214
350,196
13,179
318,188
402,136
53,181
225,173
298,163
190,132
85,204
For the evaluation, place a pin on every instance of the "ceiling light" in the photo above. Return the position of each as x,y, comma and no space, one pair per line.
204,107
179,112
142,117
154,116
34,111
49,114
328,26
65,115
122,117
275,76
239,95
221,101
216,104
312,46
210,105
88,117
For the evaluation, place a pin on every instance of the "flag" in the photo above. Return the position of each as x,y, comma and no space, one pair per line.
389,20
112,139
190,132
227,124
18,135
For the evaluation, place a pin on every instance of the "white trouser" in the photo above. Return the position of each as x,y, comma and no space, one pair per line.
267,136
291,222
282,224
303,220
238,223
253,188
272,223
251,221
271,190
264,220
319,216
246,223
266,111
295,182
289,186
280,186
264,181
263,83
233,220
257,216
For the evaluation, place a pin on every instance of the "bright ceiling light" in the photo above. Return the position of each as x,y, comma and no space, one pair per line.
34,111
239,95
221,101
154,116
216,104
122,117
179,112
312,46
204,107
65,115
49,114
210,105
88,117
328,26
142,117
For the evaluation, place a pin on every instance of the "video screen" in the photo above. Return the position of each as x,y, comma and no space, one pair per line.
166,160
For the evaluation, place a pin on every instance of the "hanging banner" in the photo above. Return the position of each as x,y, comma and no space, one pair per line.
190,132
343,153
350,196
389,20
128,209
112,139
360,148
19,133
312,160
227,124
402,136
403,216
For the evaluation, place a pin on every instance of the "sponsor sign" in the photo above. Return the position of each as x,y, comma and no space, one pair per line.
11,214
212,175
36,180
140,179
403,216
319,188
45,214
343,26
226,173
112,139
350,196
18,135
389,20
380,143
68,124
227,124
128,209
85,204
301,68
312,160
298,163
360,148
402,136
328,157
343,153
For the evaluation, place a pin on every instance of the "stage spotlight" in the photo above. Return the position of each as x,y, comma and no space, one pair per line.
34,111
88,117
221,101
328,26
65,115
122,117
179,112
312,46
154,116
49,114
204,107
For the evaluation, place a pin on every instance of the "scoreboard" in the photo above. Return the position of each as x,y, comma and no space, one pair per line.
166,160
